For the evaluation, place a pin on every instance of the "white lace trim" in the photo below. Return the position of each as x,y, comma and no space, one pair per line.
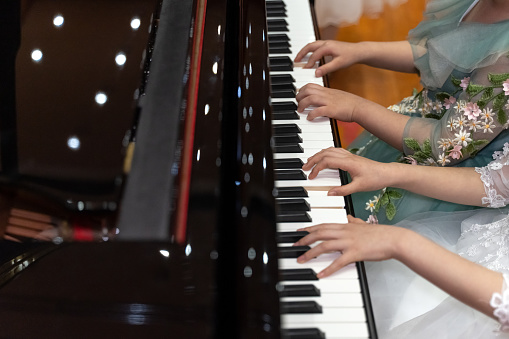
500,303
500,159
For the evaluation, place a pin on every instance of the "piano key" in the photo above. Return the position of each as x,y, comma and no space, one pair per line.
294,163
293,138
302,333
299,204
291,192
292,252
290,237
336,330
293,216
299,290
300,307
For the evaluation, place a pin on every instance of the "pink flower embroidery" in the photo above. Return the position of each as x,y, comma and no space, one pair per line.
411,160
372,219
455,153
449,102
464,83
506,87
471,111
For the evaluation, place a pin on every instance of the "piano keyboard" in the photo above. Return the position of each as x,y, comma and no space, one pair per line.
332,307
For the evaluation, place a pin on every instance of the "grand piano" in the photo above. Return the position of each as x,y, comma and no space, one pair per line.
150,181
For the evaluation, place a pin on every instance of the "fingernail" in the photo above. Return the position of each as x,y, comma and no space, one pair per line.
332,193
320,275
318,73
300,259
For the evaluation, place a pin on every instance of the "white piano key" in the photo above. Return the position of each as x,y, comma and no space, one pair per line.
318,216
336,330
323,202
328,315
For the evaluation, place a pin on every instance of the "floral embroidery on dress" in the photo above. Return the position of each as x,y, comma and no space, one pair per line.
469,122
469,117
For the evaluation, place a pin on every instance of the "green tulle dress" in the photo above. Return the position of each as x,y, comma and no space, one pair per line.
461,116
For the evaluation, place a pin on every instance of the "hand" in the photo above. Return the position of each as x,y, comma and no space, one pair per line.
343,54
366,174
357,241
329,102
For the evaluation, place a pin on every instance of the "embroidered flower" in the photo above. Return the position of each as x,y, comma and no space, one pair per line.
462,138
444,144
471,110
464,83
455,153
487,114
506,87
459,123
370,205
443,159
372,219
437,106
411,160
448,102
450,124
487,127
473,125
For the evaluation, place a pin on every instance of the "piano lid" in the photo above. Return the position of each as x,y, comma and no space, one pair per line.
69,99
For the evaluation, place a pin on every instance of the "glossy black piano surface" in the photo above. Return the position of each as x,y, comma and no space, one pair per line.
137,194
87,248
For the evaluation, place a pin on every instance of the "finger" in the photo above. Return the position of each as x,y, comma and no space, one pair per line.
310,47
335,266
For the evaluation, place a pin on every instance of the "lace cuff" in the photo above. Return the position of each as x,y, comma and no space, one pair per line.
500,302
492,198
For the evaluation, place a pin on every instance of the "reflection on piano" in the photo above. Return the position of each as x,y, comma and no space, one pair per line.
193,239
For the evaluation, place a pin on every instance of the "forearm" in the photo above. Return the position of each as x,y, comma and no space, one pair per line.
461,185
381,122
466,281
392,55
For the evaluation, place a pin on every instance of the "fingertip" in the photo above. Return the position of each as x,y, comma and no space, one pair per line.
319,73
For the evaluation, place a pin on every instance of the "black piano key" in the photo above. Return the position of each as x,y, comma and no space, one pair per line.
293,217
279,50
295,163
293,204
281,79
300,307
277,25
275,4
298,274
282,93
281,86
304,290
294,138
290,237
276,12
286,129
302,333
284,106
279,43
285,115
291,192
288,148
280,63
292,174
278,37
292,252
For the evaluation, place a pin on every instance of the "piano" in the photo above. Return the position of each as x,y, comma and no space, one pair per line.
150,177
